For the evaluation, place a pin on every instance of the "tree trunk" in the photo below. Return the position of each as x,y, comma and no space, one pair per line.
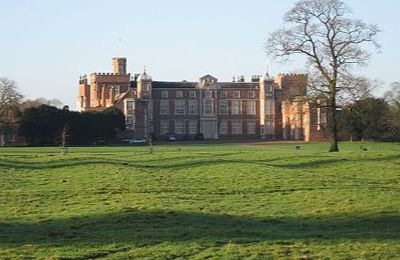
333,124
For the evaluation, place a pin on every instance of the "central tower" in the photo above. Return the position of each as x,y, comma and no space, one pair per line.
119,66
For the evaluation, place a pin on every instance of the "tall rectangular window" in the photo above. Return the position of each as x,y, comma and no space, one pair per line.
223,127
130,122
179,94
208,94
236,107
251,107
192,107
179,107
192,127
269,107
164,127
180,127
164,107
236,127
192,94
321,115
164,94
223,107
130,113
129,107
117,90
208,107
251,127
222,94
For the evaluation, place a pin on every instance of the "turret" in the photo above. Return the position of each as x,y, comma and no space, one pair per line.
144,85
266,84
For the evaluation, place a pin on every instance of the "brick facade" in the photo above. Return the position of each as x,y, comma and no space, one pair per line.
265,107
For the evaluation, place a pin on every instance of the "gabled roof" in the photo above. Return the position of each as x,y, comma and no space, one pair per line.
208,76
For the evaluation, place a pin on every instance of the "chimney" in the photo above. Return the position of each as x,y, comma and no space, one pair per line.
255,78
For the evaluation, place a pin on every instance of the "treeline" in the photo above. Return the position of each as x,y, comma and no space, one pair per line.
49,125
376,119
48,122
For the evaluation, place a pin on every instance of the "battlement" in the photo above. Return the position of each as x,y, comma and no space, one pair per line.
83,80
109,78
105,74
292,75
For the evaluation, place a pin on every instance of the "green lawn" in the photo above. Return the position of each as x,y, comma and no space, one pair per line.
227,201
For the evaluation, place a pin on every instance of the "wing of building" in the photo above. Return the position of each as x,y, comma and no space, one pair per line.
265,107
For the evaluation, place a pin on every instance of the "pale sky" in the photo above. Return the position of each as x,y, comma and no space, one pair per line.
45,45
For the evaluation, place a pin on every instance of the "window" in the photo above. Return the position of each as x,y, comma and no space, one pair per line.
193,107
179,94
269,127
251,107
129,107
164,127
179,107
251,127
223,107
321,115
192,94
222,94
208,94
236,94
208,107
192,127
164,107
145,87
130,113
116,89
164,94
223,127
237,127
269,107
180,127
130,122
252,94
236,107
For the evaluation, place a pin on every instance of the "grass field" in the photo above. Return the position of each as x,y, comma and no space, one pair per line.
227,201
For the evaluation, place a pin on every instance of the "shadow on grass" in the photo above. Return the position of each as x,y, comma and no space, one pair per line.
148,228
184,162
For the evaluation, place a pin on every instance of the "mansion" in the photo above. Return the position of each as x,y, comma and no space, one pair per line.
262,108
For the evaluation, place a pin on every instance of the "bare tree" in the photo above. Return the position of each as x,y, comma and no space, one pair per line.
354,88
324,32
393,95
9,94
9,98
